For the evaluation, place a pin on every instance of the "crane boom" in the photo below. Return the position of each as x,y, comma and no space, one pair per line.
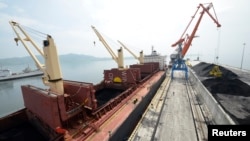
177,62
52,71
189,39
119,60
13,25
140,58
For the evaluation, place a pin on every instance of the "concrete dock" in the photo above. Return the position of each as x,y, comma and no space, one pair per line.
169,115
176,122
181,110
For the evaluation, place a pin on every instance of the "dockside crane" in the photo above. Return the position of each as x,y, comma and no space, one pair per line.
185,40
52,72
118,59
141,56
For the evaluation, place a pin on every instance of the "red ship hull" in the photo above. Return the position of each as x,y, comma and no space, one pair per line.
86,111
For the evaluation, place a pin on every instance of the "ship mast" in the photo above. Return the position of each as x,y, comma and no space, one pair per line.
52,71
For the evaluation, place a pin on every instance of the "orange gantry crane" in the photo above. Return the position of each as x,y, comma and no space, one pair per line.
177,62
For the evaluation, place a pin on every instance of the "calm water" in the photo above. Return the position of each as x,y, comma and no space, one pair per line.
10,91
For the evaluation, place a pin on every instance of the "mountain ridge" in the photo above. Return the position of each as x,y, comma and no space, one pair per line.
63,57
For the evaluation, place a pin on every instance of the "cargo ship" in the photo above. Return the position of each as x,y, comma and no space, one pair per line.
77,111
7,74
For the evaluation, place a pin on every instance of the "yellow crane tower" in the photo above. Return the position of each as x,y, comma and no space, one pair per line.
52,71
140,58
118,59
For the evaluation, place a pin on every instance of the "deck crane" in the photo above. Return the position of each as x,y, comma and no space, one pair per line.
125,77
51,110
52,72
140,58
118,59
185,40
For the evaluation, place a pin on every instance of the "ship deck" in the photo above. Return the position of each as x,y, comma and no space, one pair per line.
110,126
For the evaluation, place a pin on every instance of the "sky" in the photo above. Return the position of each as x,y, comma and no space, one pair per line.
139,24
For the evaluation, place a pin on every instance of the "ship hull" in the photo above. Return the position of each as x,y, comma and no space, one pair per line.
139,100
108,110
126,127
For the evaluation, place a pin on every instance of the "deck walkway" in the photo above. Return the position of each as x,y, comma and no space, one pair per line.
174,120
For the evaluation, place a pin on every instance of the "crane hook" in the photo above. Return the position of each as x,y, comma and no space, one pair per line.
16,40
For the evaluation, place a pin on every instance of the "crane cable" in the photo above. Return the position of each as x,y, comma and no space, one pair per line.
35,34
216,58
34,31
111,42
39,34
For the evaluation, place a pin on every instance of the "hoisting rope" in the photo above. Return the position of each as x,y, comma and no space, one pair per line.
111,42
36,35
41,34
216,59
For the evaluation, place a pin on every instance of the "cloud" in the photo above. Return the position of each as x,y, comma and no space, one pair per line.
3,5
139,24
18,9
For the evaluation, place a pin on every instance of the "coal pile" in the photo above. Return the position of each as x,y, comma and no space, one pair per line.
202,69
228,90
231,87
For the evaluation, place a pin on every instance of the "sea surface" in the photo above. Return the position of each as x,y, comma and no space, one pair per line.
11,98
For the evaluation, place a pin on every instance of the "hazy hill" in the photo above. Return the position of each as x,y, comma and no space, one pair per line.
62,58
